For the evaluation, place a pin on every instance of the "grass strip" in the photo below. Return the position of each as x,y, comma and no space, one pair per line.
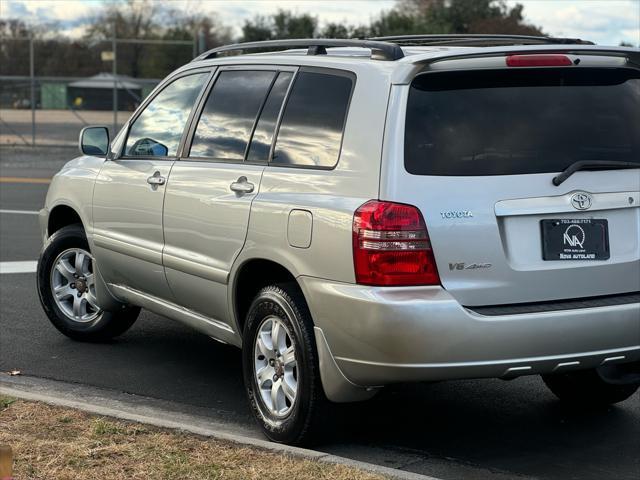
54,442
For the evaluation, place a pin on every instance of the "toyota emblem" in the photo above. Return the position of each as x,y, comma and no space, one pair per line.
581,201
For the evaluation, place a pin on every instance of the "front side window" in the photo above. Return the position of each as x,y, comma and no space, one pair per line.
313,121
226,122
158,129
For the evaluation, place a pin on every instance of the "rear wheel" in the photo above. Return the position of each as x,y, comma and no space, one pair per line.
596,387
66,286
280,366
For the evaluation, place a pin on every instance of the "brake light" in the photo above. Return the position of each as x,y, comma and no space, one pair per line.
538,60
391,246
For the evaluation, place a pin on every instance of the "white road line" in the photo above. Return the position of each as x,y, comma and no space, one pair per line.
18,267
20,212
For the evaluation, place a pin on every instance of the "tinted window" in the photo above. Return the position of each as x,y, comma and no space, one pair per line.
158,129
263,135
521,121
311,130
227,120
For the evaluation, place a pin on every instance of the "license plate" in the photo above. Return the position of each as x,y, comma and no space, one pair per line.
575,239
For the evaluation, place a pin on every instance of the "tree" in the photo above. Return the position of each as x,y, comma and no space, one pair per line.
14,48
206,31
132,19
335,30
186,26
407,17
257,29
469,16
12,28
52,56
151,20
283,24
404,22
288,25
65,57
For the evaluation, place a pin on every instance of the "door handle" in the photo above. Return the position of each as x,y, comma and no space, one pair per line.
156,179
242,185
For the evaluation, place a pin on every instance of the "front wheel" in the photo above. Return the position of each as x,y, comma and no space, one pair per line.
596,387
280,365
66,286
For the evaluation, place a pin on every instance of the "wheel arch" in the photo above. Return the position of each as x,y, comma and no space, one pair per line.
256,273
61,216
249,277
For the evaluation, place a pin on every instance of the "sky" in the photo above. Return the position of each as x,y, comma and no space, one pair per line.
606,22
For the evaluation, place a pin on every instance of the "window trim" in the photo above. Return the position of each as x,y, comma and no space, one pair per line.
120,155
188,140
258,117
276,130
326,71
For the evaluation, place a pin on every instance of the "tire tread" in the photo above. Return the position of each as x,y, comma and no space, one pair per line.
311,427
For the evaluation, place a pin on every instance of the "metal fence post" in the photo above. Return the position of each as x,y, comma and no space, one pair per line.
33,91
202,44
115,81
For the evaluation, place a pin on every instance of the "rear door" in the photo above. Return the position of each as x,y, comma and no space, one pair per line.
211,188
479,154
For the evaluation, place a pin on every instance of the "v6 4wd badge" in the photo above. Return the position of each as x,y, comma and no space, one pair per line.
471,266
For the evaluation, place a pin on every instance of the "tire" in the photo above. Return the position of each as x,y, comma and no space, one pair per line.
299,421
593,388
90,324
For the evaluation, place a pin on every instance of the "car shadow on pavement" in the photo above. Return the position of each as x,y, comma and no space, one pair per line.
515,426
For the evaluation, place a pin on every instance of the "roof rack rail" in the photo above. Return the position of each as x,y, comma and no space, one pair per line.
478,39
315,46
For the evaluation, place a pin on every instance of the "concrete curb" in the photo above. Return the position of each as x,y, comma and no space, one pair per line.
95,401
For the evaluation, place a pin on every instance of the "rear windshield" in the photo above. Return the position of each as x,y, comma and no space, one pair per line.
504,122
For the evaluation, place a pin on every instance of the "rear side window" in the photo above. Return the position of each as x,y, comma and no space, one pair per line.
226,122
311,130
158,129
507,122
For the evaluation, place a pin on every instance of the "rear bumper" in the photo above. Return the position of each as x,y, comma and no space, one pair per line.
405,334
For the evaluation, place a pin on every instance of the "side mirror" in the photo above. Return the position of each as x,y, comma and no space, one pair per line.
94,141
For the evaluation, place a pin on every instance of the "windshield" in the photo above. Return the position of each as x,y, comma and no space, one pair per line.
505,122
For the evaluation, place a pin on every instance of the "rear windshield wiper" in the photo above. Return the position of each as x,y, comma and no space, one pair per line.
592,165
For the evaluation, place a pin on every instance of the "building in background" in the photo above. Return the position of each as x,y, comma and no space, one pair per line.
96,93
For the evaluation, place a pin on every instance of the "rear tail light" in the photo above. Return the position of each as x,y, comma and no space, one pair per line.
391,246
538,60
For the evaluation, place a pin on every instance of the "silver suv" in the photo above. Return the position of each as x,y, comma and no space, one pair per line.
355,213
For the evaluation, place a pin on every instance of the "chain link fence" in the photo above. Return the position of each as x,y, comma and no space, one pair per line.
51,109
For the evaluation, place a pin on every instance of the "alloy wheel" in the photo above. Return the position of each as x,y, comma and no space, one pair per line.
73,285
275,367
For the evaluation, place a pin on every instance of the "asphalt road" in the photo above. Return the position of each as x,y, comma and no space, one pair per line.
465,429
